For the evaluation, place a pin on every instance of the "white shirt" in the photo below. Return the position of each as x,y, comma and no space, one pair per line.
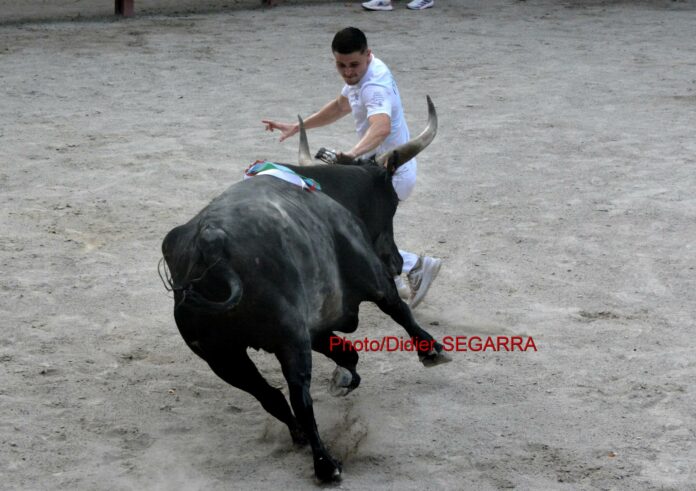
377,93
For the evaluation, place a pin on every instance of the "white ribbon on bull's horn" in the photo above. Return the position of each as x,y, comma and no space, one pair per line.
405,152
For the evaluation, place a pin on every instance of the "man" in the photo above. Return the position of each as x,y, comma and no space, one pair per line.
372,96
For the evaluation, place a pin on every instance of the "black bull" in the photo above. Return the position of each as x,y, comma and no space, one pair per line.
271,266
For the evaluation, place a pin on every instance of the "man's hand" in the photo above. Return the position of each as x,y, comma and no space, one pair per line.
286,129
347,158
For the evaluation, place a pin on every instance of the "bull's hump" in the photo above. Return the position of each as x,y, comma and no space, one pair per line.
269,200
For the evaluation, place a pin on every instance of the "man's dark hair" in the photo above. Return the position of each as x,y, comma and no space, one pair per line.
349,40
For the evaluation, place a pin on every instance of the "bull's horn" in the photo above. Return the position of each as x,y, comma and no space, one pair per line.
414,146
304,157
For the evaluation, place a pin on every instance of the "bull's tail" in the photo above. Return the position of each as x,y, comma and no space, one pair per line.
198,301
216,279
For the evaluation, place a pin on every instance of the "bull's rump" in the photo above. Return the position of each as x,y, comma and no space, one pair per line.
300,257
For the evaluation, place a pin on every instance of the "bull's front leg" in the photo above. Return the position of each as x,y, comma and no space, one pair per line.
296,362
433,354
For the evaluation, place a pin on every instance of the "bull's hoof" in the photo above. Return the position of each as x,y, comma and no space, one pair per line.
343,382
436,356
327,469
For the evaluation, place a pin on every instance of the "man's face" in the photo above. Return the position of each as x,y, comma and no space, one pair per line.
352,67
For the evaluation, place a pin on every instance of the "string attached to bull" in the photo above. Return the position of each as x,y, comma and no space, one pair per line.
168,283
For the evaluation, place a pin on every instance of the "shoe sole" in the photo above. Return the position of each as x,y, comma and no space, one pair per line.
404,291
421,8
375,9
425,284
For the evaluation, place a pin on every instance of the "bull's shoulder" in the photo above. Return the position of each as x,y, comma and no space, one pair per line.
353,186
337,173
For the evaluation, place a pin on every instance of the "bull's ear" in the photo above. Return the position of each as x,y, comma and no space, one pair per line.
393,162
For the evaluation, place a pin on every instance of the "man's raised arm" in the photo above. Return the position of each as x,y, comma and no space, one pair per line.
331,112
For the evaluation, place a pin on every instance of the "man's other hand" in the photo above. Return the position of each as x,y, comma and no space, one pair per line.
286,129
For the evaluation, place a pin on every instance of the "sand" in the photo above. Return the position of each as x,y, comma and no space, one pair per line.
559,192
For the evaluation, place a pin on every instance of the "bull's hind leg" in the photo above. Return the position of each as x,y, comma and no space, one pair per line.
430,352
296,362
345,378
238,370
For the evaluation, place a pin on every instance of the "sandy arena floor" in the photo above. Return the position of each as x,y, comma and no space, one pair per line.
559,191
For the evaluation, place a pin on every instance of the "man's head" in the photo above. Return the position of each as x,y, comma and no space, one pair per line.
352,55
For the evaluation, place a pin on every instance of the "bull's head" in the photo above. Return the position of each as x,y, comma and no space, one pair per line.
376,204
391,159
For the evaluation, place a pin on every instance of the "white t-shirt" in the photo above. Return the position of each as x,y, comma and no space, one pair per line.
377,93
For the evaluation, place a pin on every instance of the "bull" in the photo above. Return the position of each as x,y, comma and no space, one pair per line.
270,266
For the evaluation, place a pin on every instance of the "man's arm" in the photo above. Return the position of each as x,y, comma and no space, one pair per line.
377,132
331,112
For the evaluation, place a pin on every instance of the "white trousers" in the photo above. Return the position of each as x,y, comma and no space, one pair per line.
404,180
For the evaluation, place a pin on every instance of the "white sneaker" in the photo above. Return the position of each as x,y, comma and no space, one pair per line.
420,4
378,5
404,291
421,277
